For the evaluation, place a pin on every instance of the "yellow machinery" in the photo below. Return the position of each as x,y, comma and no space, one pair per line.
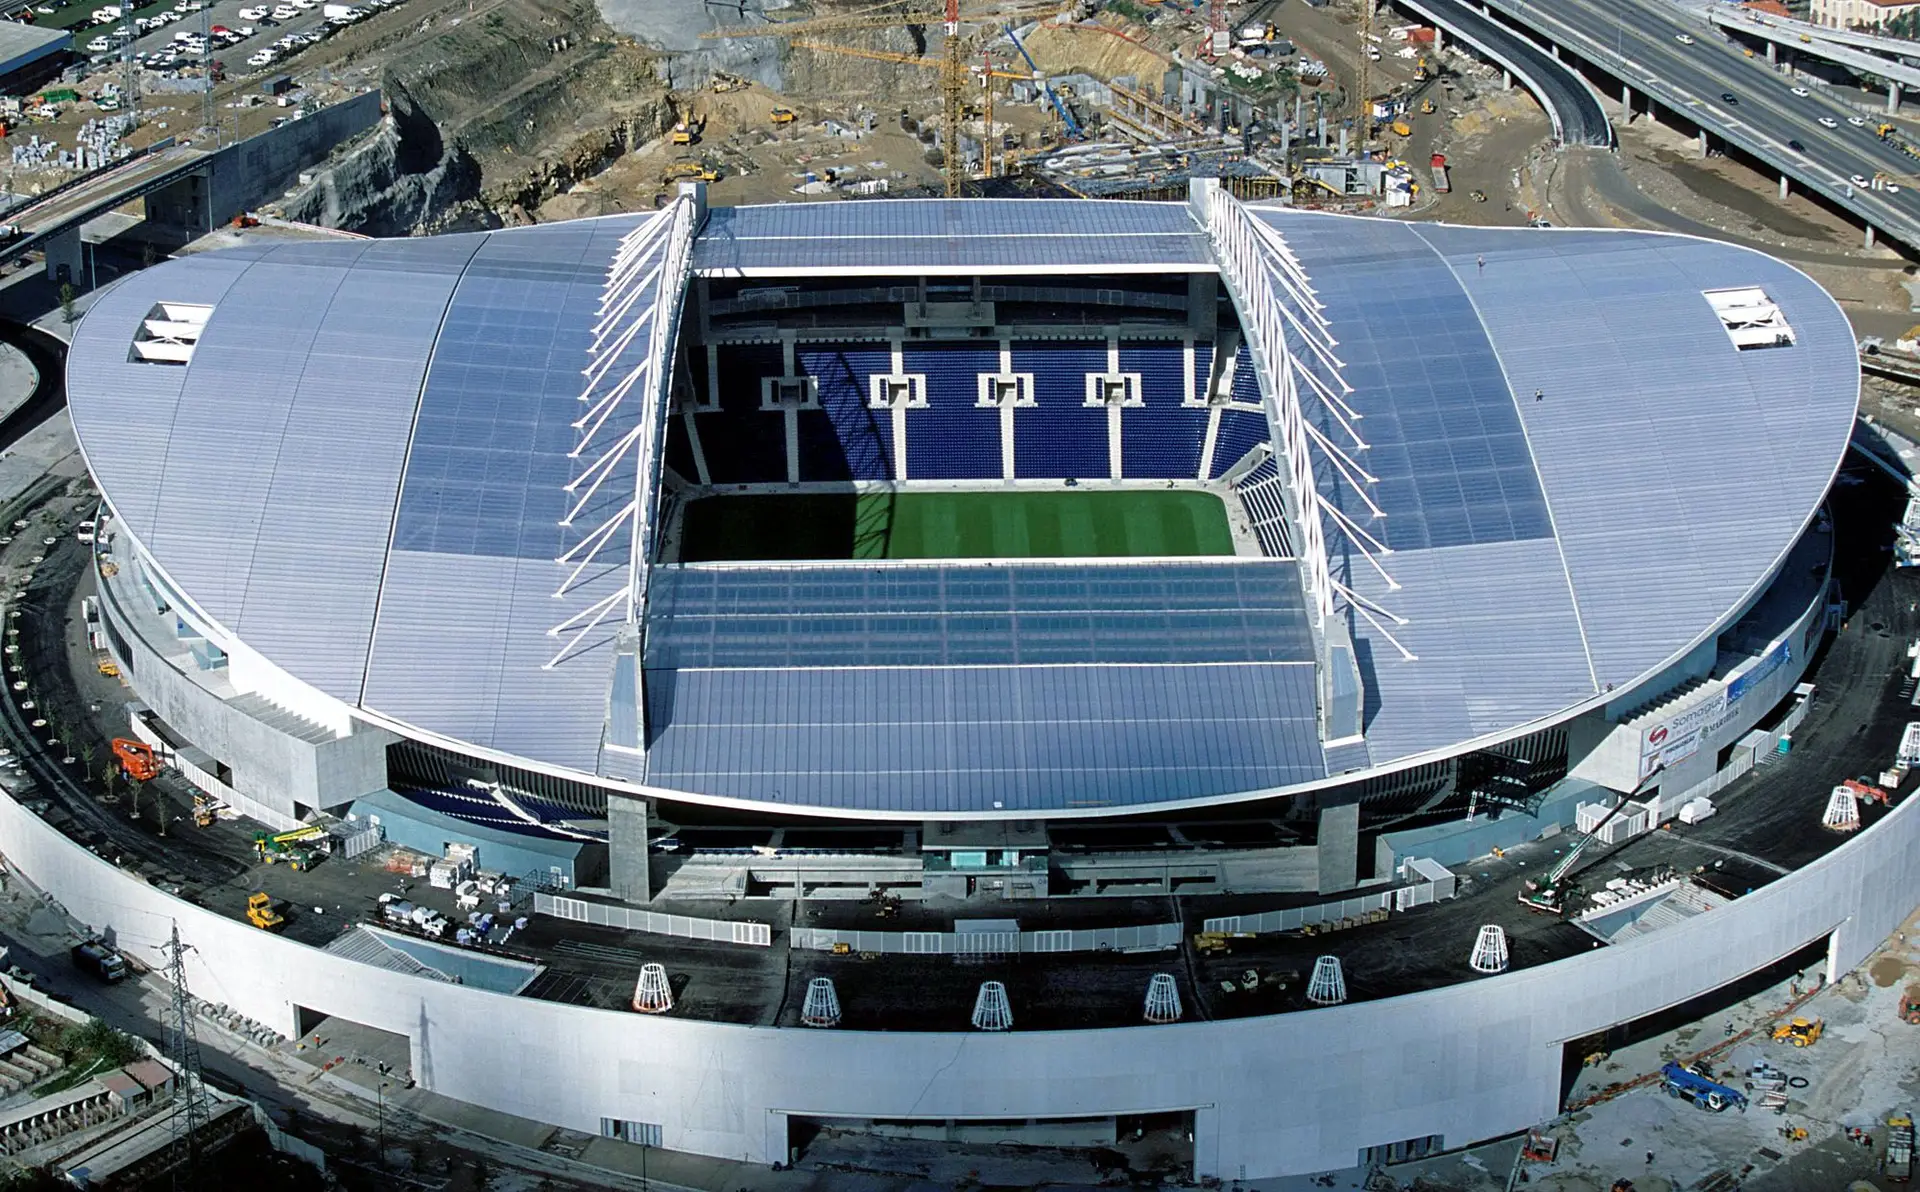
723,83
1426,107
1801,1032
781,116
684,134
261,914
1401,128
108,667
203,816
690,171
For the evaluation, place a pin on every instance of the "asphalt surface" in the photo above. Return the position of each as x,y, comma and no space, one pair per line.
1639,41
1571,104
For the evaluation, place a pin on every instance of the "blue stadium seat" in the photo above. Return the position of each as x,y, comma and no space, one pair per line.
952,438
1059,436
1161,439
1246,384
1240,431
474,808
846,439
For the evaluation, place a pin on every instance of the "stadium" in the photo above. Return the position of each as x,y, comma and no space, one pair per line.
1030,569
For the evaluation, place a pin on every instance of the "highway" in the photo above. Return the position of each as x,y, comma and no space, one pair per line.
1638,41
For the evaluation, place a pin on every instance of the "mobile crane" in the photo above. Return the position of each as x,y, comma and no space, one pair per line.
137,759
290,847
1549,893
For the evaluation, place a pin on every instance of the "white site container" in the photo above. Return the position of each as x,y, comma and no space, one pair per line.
1696,809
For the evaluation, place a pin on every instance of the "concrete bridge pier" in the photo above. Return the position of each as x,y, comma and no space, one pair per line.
64,257
1869,239
1626,104
182,208
1773,54
1783,188
1439,39
1506,80
1893,97
1703,142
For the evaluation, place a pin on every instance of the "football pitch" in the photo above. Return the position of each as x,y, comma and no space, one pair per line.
955,525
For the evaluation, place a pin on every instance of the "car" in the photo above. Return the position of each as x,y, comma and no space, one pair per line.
1684,39
261,58
1828,122
1856,121
1796,146
1861,182
219,31
254,13
1729,97
98,45
303,5
285,13
1802,92
1891,188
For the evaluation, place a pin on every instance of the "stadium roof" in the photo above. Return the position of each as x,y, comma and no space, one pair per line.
365,472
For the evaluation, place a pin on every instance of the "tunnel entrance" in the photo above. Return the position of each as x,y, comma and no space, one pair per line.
1127,1148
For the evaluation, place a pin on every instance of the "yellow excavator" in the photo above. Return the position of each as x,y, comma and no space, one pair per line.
690,171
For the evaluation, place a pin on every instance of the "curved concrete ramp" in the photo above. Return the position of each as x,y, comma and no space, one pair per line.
1569,102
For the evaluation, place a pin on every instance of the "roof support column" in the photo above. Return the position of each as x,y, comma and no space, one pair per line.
627,873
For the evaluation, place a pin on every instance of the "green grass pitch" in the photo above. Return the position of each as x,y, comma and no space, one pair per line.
955,525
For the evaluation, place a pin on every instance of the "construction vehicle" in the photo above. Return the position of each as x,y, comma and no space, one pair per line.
689,171
1066,117
1801,1032
723,83
98,960
291,848
1401,128
1910,1004
1427,107
1693,1083
137,759
1438,168
1210,943
1794,1133
1866,792
203,815
781,116
261,914
106,666
1897,1163
1549,893
687,132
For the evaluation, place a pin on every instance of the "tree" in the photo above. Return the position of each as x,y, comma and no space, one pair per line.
67,295
87,754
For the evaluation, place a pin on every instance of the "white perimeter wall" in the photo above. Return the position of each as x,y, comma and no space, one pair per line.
1292,1093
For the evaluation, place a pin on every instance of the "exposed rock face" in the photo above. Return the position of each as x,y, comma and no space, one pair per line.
492,112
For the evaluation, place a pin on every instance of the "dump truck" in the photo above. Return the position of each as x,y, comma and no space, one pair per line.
1693,1084
1897,1163
1801,1032
1441,184
98,960
261,914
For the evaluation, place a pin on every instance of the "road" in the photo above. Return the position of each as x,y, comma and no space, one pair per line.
1572,106
1639,42
98,194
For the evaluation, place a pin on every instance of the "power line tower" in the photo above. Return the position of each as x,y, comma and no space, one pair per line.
129,72
183,1053
208,119
953,91
1364,83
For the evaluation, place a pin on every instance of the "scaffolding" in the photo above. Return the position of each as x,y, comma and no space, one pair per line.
652,994
991,1010
822,1007
1489,950
1327,986
1163,999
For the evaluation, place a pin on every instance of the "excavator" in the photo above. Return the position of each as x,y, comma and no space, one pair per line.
137,759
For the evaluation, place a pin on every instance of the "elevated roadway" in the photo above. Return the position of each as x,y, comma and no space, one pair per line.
1793,36
1570,103
96,194
1640,43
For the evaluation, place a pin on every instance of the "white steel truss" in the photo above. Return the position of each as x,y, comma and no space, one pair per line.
1295,357
630,363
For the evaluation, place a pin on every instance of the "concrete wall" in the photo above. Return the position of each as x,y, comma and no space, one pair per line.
1293,1093
270,767
247,173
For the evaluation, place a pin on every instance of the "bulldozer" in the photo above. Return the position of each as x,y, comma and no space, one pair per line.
1801,1032
781,116
723,83
261,914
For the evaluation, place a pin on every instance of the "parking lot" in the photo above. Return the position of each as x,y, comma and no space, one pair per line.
178,40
